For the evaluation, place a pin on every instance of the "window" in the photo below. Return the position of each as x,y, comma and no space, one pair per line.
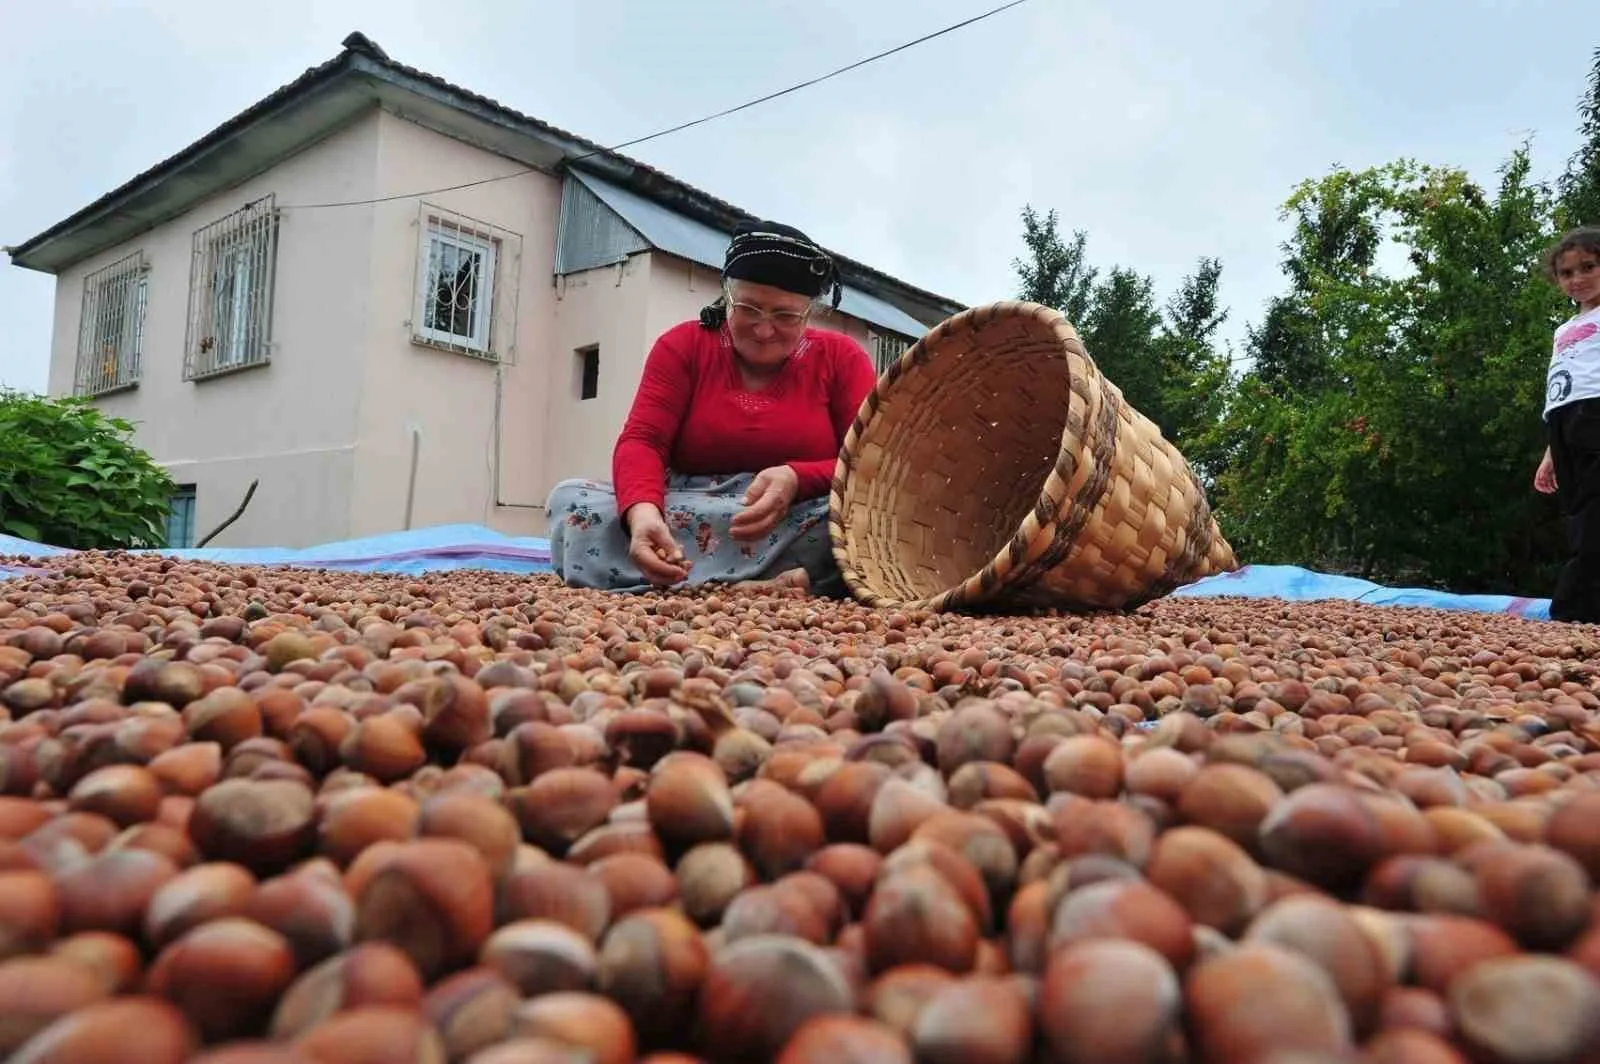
455,301
464,296
231,278
180,522
111,326
588,371
886,348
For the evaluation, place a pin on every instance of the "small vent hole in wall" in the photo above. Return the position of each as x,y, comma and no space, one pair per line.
586,370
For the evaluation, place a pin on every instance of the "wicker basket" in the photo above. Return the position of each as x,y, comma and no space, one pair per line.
994,467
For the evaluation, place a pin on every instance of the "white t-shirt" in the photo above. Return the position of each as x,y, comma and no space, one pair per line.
1574,372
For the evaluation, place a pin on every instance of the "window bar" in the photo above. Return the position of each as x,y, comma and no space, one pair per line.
111,327
231,289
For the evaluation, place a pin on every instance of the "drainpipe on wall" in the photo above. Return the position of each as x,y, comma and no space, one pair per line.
499,397
411,483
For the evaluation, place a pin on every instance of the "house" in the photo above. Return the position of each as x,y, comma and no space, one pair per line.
278,303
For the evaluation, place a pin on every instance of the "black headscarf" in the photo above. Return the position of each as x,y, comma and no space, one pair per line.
778,255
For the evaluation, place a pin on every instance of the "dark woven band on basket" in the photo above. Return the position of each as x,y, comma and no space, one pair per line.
1196,542
1103,450
1078,537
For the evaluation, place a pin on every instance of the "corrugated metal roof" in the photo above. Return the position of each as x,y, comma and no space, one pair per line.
687,238
590,234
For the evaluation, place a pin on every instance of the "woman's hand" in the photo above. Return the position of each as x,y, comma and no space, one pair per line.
765,503
1544,479
652,548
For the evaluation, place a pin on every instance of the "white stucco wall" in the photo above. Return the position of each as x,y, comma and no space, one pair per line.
327,426
291,422
448,397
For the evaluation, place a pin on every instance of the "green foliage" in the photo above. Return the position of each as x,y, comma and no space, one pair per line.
1389,422
1056,273
71,477
1390,425
1580,185
1164,360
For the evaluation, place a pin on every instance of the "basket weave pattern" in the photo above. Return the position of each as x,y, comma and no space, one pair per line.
994,466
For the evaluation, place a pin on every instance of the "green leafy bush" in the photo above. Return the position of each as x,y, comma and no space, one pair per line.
71,477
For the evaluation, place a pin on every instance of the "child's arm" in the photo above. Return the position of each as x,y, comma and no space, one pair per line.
1544,478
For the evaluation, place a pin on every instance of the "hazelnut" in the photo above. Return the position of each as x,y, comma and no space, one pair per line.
1261,999
308,906
555,891
353,820
475,819
898,996
558,807
35,992
584,1021
111,891
264,825
1109,1001
540,957
759,990
471,1010
1527,1008
372,1034
633,881
431,897
124,1030
1126,909
226,976
840,1039
688,801
194,896
709,877
980,1018
652,963
1324,931
372,973
30,913
916,916
126,794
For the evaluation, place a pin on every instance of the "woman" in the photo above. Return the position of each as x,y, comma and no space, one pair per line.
722,468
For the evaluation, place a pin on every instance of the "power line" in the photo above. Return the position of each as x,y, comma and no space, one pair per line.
677,128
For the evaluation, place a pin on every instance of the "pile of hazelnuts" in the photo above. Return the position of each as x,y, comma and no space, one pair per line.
263,816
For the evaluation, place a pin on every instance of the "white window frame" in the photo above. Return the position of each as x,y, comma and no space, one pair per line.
232,283
886,348
111,327
440,234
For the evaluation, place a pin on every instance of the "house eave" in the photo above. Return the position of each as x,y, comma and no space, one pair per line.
250,144
326,99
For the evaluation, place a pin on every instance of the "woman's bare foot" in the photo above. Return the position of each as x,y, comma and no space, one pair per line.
797,579
793,580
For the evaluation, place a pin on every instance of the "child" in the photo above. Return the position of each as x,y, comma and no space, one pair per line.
1571,464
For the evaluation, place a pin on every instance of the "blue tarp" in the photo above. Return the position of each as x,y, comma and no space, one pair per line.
423,550
446,547
1301,585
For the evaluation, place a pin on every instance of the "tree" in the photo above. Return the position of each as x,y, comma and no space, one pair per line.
1197,377
1056,274
1580,185
71,477
1119,332
1390,427
1165,365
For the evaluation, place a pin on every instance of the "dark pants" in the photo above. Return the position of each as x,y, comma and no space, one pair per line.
1575,449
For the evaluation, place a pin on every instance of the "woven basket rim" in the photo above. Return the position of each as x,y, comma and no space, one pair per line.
992,578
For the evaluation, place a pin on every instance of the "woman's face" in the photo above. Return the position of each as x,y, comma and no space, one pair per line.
766,322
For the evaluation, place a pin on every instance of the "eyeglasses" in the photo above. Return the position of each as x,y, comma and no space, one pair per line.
753,315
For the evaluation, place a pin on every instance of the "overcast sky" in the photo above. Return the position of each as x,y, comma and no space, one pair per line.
1167,130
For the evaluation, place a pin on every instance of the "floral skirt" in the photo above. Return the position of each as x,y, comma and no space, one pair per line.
589,546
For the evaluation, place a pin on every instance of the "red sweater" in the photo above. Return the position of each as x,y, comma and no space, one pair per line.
693,415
